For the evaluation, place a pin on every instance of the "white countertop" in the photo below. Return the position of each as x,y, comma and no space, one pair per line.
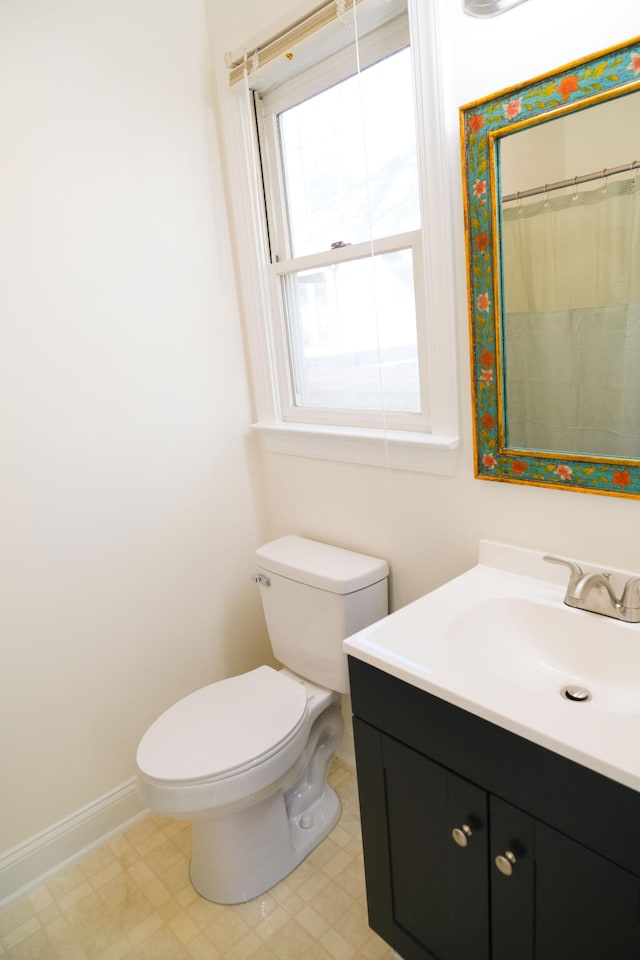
499,642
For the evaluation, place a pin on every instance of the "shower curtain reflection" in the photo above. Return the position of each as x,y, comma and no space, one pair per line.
571,327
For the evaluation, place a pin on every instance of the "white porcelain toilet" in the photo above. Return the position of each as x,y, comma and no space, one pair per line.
246,759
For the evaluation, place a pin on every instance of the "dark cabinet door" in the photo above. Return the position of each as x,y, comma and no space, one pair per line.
586,907
375,835
439,886
512,886
558,900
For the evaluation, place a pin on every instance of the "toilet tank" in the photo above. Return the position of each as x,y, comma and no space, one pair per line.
317,596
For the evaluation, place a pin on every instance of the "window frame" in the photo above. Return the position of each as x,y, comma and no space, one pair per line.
386,40
420,449
294,413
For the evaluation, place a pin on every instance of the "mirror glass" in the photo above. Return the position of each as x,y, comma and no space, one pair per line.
552,203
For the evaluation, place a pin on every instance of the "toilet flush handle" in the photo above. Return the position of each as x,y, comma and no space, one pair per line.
261,580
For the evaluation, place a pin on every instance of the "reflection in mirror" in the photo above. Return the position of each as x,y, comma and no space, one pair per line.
552,206
570,239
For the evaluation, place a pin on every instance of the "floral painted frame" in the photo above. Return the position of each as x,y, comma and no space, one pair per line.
605,75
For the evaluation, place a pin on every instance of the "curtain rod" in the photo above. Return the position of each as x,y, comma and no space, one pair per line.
573,181
281,42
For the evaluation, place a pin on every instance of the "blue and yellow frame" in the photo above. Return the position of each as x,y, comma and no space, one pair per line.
608,74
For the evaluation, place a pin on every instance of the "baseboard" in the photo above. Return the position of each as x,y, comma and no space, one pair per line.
50,852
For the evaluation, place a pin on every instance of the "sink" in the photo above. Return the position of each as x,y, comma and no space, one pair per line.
499,642
545,647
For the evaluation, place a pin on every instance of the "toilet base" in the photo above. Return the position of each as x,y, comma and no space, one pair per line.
241,855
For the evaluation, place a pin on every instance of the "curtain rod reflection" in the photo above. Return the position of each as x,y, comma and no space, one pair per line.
572,181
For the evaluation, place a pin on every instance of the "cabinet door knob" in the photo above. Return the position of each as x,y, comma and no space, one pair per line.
505,863
461,834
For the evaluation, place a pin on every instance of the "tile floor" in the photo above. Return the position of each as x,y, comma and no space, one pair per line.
132,899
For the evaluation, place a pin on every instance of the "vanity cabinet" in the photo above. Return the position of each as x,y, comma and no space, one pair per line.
446,795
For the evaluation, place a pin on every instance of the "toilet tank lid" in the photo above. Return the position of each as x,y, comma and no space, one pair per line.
321,565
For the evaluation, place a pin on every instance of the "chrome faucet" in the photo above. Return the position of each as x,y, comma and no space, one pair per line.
593,592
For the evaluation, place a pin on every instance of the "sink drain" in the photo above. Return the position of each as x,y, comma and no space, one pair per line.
576,694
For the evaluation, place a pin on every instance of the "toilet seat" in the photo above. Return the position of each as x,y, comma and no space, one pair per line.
224,728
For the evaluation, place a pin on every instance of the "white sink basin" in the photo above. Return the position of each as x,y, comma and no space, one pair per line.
503,645
545,647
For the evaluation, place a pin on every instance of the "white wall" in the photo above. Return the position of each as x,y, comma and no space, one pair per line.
126,484
428,527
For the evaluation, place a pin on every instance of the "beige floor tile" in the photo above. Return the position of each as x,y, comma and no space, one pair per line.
64,940
97,861
157,892
186,896
176,877
354,925
376,949
108,872
40,900
316,952
256,911
312,885
269,925
67,882
169,909
201,948
332,903
340,836
161,945
124,851
183,927
227,930
336,945
248,948
35,947
143,832
337,863
324,852
21,932
140,872
120,950
48,914
75,896
313,923
133,900
145,929
290,941
162,857
202,912
351,878
283,890
16,915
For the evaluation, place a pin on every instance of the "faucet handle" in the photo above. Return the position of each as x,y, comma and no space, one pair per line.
576,570
631,594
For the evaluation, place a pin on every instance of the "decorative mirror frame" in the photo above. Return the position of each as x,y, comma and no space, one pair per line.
586,82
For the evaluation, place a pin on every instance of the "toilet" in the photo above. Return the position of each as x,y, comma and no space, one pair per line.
246,759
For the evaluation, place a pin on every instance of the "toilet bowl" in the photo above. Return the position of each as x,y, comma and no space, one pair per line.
246,759
258,799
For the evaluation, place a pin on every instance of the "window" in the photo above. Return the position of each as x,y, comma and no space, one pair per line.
346,340
343,206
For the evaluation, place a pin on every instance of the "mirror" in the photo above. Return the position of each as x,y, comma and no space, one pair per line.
552,211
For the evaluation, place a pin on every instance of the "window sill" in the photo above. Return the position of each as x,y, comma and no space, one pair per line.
399,450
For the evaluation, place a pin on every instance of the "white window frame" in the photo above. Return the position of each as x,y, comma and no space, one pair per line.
392,445
293,413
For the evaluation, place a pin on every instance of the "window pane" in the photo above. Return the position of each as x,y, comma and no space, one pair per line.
352,335
349,159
